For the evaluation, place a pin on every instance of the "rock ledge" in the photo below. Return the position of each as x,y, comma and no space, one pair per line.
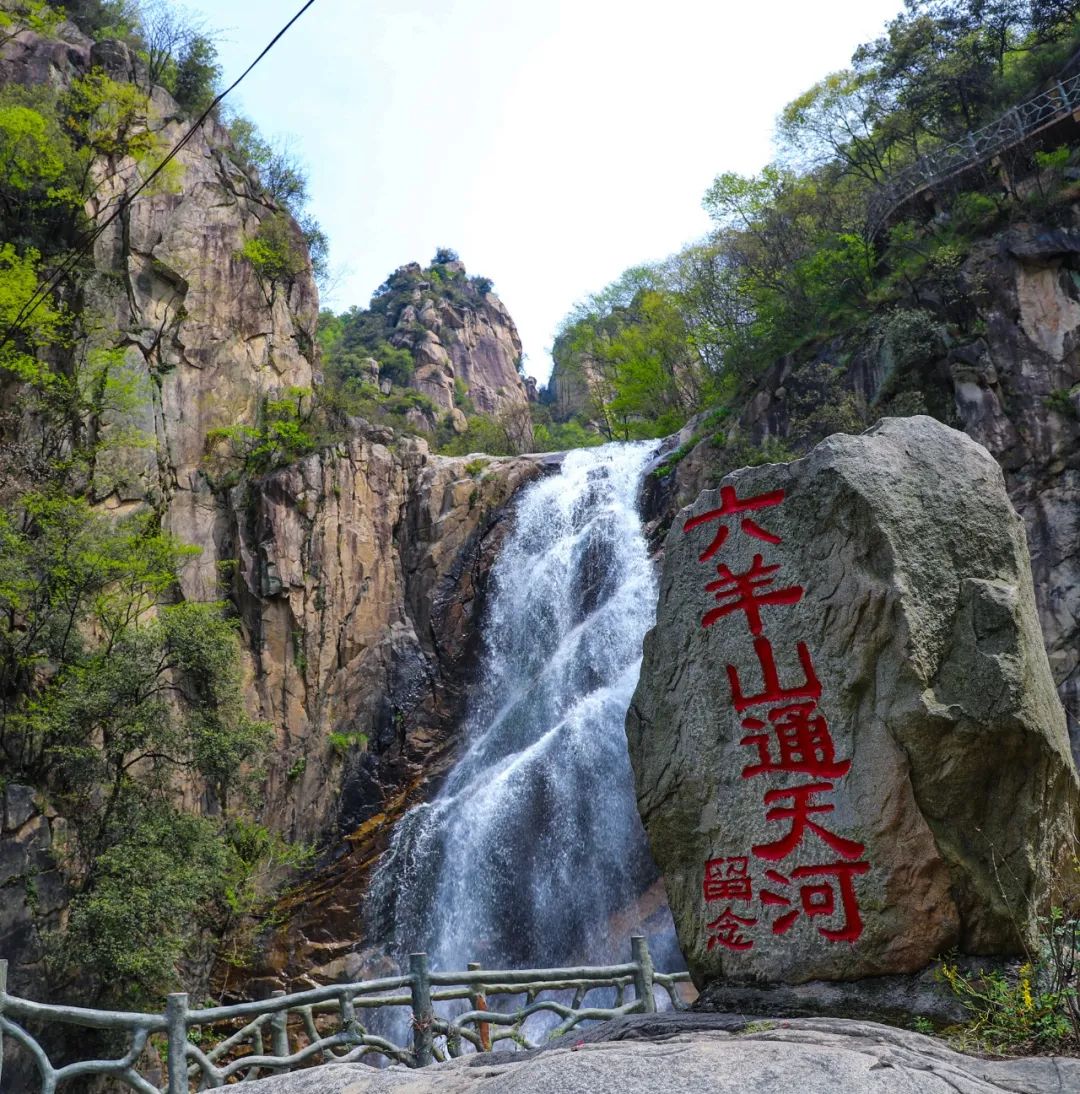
685,1053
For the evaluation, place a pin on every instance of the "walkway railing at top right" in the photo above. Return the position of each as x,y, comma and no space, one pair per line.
324,1024
1011,128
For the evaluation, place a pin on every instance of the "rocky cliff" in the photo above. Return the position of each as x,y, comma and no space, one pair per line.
461,350
1011,382
357,573
471,340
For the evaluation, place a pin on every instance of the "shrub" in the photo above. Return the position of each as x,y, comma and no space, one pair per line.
341,742
1062,402
285,432
273,251
1035,1008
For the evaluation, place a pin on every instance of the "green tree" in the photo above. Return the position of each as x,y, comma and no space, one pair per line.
197,75
275,252
286,431
37,16
114,697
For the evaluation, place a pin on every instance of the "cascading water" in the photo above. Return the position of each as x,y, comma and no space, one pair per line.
534,843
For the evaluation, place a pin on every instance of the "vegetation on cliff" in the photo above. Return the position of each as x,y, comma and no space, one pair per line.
793,263
121,703
393,363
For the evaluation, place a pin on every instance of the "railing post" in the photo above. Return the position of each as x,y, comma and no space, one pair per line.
479,1002
176,1009
348,1014
643,974
279,1029
3,992
423,1012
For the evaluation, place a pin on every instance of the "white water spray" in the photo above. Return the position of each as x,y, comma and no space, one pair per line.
534,842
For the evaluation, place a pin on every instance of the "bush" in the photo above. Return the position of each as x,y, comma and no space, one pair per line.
286,432
1035,1008
342,742
197,74
118,694
273,251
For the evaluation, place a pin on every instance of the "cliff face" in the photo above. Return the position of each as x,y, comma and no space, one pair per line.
358,573
473,341
206,338
1014,387
573,378
437,332
361,572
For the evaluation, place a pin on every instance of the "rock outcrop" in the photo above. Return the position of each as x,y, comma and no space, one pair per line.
832,804
573,382
361,580
688,1054
207,338
33,887
361,571
470,339
1013,385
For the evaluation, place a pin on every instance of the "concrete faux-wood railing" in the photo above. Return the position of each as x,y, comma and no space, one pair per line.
326,1018
1059,103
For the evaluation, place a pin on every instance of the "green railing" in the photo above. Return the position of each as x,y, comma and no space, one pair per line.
324,1024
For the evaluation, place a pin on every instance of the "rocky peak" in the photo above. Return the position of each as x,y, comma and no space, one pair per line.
464,346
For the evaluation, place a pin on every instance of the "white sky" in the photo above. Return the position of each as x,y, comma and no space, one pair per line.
552,143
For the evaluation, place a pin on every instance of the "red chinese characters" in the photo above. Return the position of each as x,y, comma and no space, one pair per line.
727,879
796,741
799,814
729,506
727,930
745,593
819,899
773,692
791,741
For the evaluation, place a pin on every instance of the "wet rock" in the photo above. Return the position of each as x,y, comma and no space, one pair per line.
906,785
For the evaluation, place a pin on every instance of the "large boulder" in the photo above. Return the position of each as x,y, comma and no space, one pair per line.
848,749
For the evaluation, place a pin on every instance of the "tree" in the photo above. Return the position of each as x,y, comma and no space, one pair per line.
284,178
103,18
838,119
167,34
37,16
197,74
114,697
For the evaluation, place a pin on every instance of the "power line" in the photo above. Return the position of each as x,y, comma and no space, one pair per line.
43,291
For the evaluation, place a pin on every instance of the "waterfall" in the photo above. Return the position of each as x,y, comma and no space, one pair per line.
534,843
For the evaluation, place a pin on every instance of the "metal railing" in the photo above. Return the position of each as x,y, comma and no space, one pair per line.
284,1032
1010,129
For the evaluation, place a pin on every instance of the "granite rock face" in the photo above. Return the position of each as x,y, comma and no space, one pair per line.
33,890
207,339
687,1054
877,613
357,572
361,578
468,341
1013,385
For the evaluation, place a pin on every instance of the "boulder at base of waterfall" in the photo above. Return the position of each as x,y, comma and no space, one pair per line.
848,751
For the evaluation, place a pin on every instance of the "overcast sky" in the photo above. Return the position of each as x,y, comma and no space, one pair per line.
552,143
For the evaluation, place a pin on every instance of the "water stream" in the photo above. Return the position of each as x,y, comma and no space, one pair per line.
534,845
